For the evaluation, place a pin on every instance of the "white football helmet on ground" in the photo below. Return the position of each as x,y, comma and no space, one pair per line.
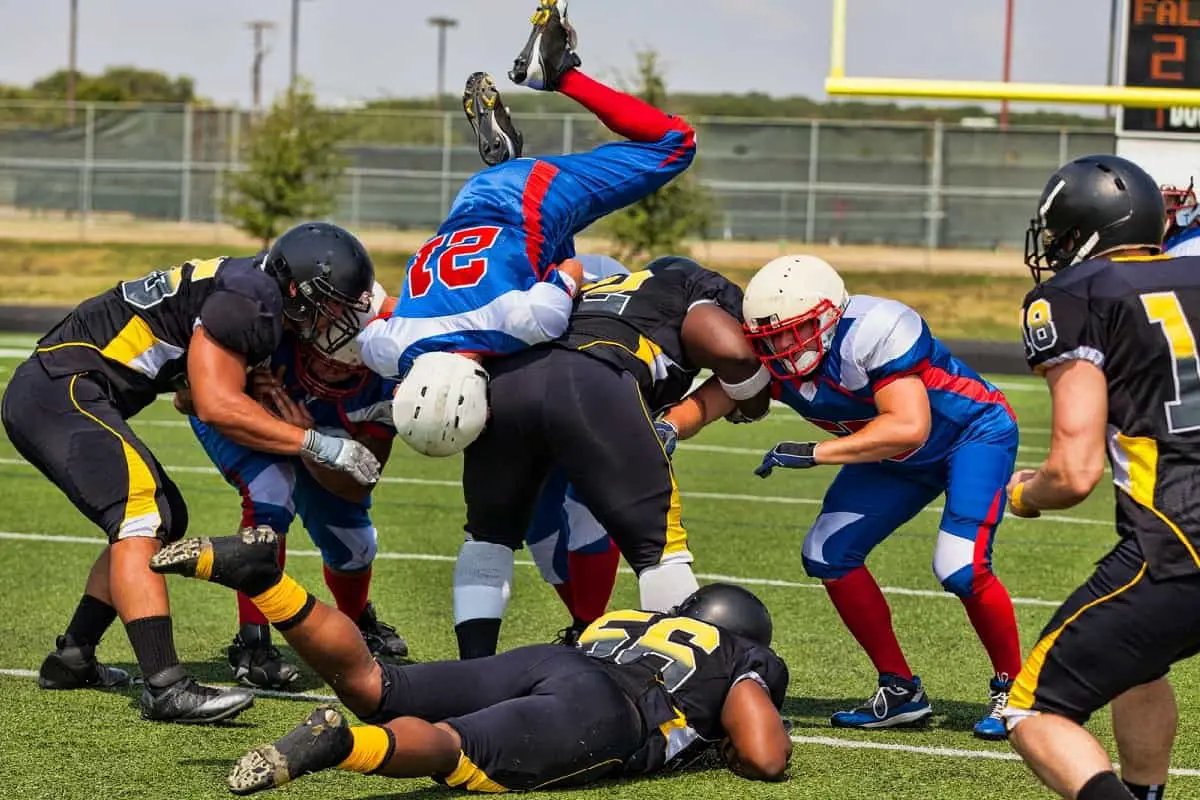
798,295
441,406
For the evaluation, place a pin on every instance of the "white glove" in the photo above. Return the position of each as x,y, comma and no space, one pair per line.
343,455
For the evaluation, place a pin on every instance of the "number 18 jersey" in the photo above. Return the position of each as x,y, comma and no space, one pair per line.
1136,319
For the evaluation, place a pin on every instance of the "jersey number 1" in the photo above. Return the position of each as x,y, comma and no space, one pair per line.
1164,308
461,265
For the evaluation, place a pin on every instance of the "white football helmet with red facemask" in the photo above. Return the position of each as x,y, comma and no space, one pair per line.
341,373
798,295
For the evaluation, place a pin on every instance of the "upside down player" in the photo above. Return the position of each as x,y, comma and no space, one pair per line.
584,404
499,275
1113,333
66,412
643,692
1183,221
912,422
335,394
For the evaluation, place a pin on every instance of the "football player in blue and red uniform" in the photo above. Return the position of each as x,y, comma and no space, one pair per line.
500,274
334,393
911,422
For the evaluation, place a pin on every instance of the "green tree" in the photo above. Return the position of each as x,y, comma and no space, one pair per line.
658,224
293,167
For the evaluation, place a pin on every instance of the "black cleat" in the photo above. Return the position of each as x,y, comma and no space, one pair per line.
320,742
188,702
255,662
247,561
569,636
381,638
74,667
549,52
499,138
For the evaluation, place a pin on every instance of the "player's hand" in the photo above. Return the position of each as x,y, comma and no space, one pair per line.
343,455
668,434
262,383
1017,509
792,455
183,402
289,410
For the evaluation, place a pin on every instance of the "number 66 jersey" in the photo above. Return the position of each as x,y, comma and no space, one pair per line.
1136,319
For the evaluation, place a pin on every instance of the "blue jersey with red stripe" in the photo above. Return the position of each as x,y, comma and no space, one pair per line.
365,412
486,282
878,341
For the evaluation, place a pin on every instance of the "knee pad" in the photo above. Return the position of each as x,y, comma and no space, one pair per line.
954,563
960,583
664,586
347,549
826,572
483,577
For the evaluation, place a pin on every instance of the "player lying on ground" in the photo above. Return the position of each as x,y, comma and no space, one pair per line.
499,274
584,404
643,692
66,410
334,393
912,422
1113,333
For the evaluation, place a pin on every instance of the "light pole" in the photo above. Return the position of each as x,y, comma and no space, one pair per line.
71,61
1008,36
442,23
259,26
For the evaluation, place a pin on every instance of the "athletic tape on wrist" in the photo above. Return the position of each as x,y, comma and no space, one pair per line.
749,387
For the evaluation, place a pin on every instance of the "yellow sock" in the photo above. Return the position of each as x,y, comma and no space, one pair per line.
372,748
282,601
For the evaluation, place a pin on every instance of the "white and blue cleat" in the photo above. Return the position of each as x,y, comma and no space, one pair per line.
897,703
992,727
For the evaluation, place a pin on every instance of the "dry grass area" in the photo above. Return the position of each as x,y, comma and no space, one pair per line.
964,294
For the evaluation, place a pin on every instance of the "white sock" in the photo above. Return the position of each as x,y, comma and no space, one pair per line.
482,581
665,586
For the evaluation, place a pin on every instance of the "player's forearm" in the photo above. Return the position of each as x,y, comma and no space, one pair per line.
886,436
1058,486
247,423
700,408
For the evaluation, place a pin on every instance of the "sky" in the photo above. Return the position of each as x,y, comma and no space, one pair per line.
354,50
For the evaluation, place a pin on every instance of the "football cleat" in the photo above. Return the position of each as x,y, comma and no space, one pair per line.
322,741
188,702
992,727
255,662
73,667
549,52
897,703
499,138
569,636
381,638
247,561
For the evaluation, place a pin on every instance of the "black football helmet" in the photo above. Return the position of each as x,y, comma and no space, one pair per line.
1089,207
325,275
730,607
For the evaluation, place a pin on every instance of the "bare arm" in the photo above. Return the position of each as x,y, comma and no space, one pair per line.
902,424
217,379
705,405
759,747
1075,464
341,484
713,339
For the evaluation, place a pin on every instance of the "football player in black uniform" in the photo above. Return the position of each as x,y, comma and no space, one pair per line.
1112,331
585,404
642,692
203,324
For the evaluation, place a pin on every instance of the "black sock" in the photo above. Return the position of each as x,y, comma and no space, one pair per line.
154,646
91,620
1104,786
477,638
1155,791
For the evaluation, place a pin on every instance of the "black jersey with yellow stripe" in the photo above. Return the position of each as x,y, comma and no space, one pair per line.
1136,319
679,671
137,334
635,322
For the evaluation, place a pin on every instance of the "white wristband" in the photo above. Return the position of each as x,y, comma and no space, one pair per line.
749,387
572,286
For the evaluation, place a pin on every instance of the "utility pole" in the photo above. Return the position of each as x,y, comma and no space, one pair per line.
295,54
1008,44
259,26
441,23
71,61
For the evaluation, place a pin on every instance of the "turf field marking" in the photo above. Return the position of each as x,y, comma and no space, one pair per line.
746,498
95,541
820,741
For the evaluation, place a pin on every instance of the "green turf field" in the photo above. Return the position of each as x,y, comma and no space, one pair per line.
90,745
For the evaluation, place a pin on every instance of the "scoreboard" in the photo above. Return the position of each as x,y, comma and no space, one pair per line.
1161,48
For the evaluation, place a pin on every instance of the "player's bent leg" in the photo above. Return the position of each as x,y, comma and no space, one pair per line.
73,664
1067,758
1145,721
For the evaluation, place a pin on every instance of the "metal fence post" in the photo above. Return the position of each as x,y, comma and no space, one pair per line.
933,223
1063,145
568,133
185,182
355,197
810,206
447,153
89,158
